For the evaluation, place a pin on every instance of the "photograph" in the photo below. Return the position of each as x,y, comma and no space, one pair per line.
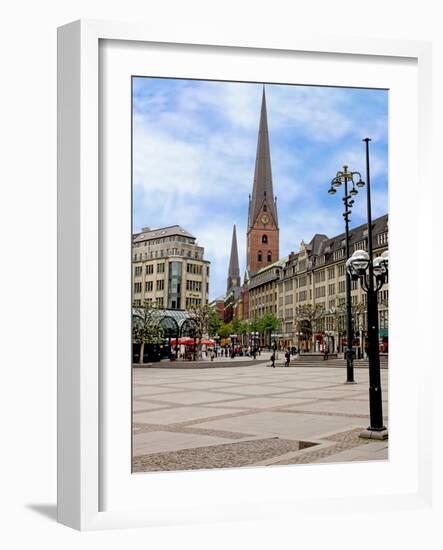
259,273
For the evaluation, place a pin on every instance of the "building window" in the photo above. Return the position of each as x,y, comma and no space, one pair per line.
160,268
269,256
160,284
150,269
149,286
382,238
265,208
264,239
137,288
138,270
259,256
338,254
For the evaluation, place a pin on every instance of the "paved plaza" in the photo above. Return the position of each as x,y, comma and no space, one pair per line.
251,415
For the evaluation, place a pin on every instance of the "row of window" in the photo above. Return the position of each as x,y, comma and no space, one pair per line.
149,286
169,252
149,269
193,302
175,238
195,286
260,256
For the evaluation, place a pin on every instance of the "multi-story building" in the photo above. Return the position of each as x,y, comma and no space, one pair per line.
169,269
263,290
315,277
218,305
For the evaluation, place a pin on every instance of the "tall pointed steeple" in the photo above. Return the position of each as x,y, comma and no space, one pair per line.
262,191
263,233
234,269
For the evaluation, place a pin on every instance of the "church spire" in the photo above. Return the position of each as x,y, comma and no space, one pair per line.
262,192
234,269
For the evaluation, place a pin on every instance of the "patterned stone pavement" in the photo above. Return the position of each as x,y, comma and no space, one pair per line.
187,419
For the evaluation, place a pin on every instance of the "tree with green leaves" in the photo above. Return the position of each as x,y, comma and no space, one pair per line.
308,317
214,323
225,330
201,315
146,328
267,325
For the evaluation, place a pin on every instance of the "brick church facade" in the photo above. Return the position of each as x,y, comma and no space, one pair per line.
262,229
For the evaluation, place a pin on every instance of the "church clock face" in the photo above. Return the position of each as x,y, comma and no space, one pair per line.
265,219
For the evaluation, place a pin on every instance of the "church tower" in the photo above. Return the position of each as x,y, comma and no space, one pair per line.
234,269
263,231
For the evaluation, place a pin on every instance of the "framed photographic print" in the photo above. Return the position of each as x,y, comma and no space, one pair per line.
234,227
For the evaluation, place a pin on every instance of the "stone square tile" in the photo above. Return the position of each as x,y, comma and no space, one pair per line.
158,442
192,397
179,414
265,402
296,426
345,406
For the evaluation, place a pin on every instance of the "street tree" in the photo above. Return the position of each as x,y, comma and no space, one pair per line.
214,323
146,327
267,325
225,330
201,316
309,317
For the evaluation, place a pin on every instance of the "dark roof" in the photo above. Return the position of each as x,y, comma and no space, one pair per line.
234,269
316,244
356,234
262,191
162,232
322,245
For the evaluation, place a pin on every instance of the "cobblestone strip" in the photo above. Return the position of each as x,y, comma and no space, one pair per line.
227,455
344,441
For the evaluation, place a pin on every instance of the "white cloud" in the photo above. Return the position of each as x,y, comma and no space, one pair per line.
194,154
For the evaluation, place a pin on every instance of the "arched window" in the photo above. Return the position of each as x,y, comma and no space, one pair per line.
259,256
265,208
269,256
264,239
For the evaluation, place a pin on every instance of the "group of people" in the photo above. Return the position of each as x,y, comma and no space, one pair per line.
288,353
234,351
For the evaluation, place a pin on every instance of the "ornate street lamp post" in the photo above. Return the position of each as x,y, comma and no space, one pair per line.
346,178
372,274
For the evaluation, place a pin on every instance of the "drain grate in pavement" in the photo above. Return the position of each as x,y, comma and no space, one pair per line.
227,455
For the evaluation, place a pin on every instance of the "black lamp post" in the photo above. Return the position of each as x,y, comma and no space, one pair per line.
346,177
372,274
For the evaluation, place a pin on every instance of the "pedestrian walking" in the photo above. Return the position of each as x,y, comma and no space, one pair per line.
273,360
287,357
212,355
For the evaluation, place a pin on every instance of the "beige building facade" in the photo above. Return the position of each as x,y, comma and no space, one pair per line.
263,290
313,280
169,269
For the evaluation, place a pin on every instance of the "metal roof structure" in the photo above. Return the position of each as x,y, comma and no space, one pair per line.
149,234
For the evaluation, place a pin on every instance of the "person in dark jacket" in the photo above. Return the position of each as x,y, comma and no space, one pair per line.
273,360
287,357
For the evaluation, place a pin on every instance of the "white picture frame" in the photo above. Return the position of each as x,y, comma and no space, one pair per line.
82,414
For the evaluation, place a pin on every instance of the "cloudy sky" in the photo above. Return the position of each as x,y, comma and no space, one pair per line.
194,154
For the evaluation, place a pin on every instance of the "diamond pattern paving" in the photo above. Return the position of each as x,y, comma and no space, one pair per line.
250,415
